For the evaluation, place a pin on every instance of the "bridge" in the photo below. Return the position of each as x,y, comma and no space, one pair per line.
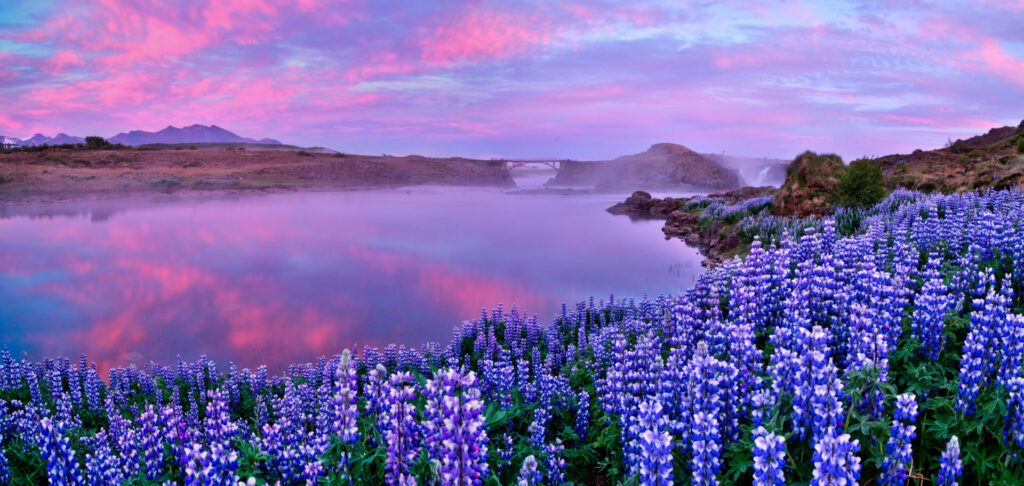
518,163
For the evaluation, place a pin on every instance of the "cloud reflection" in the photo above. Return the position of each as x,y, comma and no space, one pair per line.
280,279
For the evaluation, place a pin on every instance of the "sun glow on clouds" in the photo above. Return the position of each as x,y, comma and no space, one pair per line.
585,79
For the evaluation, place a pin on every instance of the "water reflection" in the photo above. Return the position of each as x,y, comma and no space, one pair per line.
282,278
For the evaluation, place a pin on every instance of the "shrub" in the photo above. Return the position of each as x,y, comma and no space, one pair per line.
1020,144
97,143
861,184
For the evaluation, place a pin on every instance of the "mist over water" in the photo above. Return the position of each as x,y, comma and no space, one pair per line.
282,278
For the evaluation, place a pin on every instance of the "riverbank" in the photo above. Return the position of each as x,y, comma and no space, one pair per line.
61,174
717,239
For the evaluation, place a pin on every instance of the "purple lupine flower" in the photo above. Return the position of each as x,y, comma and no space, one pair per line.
554,462
61,465
1013,427
769,458
373,390
835,460
402,431
346,409
5,468
1011,348
152,443
930,310
529,475
505,451
950,465
706,449
898,449
582,414
978,362
455,427
215,461
538,427
827,401
655,445
101,467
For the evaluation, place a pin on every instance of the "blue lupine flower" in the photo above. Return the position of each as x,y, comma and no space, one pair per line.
898,449
529,475
582,414
655,445
835,460
61,465
455,427
950,465
769,458
554,462
402,431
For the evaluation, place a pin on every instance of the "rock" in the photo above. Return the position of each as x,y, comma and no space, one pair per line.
641,205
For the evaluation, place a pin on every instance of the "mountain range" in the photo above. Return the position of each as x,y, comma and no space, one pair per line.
169,135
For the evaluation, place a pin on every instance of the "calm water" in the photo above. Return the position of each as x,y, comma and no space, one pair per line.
275,279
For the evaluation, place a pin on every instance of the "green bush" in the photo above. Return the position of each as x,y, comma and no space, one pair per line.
862,184
1020,144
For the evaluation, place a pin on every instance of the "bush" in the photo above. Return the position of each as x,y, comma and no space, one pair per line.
97,143
862,184
1020,144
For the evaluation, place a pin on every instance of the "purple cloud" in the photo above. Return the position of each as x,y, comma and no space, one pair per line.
588,79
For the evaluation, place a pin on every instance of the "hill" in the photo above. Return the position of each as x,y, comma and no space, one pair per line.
992,160
663,165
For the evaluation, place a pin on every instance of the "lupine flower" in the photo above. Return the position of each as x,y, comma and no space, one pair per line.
455,427
61,465
929,316
655,445
538,427
835,460
898,449
769,458
346,410
101,466
706,449
529,475
5,468
402,431
554,462
950,465
582,414
152,444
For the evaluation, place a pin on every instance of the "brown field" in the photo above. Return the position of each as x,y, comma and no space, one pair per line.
57,174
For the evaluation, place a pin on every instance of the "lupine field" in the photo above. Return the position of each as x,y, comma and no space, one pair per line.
878,346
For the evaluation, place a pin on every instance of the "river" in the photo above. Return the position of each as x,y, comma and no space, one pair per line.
281,278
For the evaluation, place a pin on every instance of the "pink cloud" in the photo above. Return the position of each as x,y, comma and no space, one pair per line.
481,34
62,60
1001,63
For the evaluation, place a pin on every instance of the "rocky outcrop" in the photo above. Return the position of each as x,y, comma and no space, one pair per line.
664,165
640,205
810,186
717,241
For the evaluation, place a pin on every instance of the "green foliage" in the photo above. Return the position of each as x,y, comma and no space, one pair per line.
862,184
1020,144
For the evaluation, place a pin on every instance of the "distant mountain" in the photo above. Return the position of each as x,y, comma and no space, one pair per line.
40,139
189,134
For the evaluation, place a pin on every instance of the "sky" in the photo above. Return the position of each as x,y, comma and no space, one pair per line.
577,79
